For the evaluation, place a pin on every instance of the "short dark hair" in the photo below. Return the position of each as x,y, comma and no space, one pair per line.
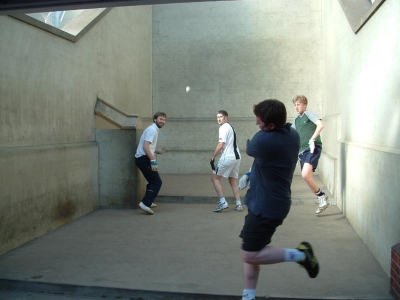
158,114
271,111
223,112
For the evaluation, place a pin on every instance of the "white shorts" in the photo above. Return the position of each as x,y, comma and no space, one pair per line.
227,168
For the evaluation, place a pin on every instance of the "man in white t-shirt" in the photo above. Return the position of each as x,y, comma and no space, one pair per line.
228,163
146,161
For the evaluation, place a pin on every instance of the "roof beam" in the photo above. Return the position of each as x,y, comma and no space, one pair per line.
29,6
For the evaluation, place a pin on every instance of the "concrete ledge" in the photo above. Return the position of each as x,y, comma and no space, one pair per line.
115,115
197,188
231,200
109,293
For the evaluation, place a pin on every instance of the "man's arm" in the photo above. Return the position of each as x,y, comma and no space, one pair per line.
153,161
318,130
218,149
252,147
146,148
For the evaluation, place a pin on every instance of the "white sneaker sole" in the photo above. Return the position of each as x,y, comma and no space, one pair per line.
215,210
239,209
322,209
147,211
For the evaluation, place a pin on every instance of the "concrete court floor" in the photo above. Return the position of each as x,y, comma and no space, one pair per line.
187,248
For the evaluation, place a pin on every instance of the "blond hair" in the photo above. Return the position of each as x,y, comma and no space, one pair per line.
301,99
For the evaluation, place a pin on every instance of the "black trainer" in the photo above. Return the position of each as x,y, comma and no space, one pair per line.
310,263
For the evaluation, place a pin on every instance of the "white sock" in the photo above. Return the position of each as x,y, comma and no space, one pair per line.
249,295
294,255
222,200
238,202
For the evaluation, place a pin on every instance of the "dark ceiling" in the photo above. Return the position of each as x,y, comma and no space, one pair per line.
30,6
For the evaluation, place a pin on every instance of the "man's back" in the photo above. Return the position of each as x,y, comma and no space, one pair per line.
227,135
275,157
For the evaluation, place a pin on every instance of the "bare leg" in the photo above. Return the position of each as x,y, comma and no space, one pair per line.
267,256
251,273
216,180
308,176
253,260
235,187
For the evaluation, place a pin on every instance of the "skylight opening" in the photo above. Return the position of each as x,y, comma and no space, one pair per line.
71,24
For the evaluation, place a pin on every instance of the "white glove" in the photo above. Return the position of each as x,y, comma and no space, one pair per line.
312,145
160,150
244,181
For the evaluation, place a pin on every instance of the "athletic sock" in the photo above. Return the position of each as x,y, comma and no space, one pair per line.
294,255
222,200
319,193
249,295
238,202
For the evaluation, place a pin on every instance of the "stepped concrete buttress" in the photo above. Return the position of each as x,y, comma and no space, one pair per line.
115,116
117,171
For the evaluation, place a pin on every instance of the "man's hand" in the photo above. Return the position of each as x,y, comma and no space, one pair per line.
154,165
160,150
244,181
312,145
212,164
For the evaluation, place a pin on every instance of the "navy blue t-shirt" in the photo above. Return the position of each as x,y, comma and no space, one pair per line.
275,157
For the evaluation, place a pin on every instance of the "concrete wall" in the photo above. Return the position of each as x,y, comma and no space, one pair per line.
48,90
232,55
362,109
117,169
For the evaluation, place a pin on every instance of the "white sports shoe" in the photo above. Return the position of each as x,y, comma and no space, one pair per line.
239,207
221,206
323,204
146,209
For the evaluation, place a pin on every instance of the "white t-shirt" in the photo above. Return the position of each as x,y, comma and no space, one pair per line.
150,134
226,136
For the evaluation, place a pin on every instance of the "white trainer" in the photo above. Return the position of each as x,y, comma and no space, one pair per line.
146,209
221,206
238,207
323,204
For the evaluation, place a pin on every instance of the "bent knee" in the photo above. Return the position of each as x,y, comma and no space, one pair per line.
249,257
158,182
215,178
307,175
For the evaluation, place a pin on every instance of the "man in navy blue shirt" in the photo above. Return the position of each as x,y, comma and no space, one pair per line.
274,149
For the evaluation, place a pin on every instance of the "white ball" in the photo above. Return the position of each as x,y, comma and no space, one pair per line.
187,89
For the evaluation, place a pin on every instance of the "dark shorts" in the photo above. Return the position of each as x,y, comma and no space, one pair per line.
257,232
311,158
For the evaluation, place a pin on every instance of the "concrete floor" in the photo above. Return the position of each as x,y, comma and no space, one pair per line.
186,251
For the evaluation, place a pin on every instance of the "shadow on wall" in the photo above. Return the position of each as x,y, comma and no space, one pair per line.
342,172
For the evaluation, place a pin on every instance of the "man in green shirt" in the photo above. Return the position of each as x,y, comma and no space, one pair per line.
309,127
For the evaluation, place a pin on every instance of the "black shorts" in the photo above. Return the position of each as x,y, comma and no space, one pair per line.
257,232
311,158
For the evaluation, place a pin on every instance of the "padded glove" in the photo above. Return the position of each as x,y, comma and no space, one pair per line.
312,145
244,181
154,165
212,164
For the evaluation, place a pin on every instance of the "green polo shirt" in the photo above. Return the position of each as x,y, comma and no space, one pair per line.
305,126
